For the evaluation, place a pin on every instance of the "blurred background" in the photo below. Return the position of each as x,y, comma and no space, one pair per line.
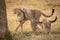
42,5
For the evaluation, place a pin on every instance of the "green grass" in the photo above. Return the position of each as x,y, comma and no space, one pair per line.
12,23
32,36
36,36
54,5
8,36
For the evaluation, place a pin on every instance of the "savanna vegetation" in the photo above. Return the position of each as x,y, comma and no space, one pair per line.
43,5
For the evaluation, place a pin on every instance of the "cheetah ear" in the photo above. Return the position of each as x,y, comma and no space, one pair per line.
21,8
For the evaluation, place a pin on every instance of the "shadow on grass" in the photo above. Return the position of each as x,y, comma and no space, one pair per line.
55,32
34,35
8,36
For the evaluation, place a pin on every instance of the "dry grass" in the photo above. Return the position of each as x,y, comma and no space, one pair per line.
36,36
42,5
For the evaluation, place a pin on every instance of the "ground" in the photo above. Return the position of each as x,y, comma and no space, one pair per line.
36,36
43,5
